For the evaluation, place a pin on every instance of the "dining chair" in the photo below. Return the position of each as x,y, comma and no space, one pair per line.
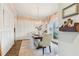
46,42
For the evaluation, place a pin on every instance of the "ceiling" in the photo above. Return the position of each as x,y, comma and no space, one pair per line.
35,10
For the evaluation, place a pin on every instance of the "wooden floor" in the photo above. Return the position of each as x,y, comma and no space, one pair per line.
14,51
20,48
25,49
0,52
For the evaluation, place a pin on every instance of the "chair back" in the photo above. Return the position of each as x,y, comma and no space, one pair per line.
46,41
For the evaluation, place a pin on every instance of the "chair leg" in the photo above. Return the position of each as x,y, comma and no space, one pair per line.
43,51
50,49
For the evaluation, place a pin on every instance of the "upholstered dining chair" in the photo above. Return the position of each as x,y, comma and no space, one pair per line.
46,42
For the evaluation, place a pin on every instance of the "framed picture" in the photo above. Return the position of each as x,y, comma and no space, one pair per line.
70,10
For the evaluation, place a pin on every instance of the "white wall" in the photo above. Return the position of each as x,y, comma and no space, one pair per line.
24,28
68,44
8,29
1,24
68,41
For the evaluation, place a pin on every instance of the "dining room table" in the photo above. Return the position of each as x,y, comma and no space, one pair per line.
37,37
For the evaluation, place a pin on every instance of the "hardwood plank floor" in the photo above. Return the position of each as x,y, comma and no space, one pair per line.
0,52
25,48
14,51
